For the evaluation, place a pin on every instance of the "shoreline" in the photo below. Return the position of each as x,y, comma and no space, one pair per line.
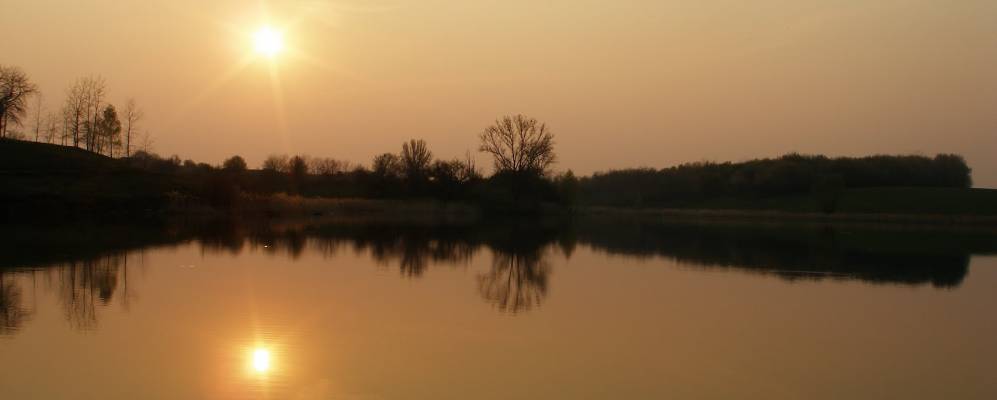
769,216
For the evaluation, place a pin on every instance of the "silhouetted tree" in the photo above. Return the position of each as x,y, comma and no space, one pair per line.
792,174
52,128
74,112
415,159
133,114
234,164
276,163
147,142
519,144
467,170
38,121
387,165
327,166
567,188
15,89
94,89
108,131
297,171
385,175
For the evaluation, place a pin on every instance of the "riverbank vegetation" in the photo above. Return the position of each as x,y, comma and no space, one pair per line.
82,162
63,182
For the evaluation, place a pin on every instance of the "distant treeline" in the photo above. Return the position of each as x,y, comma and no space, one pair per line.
522,178
522,151
522,181
387,178
792,174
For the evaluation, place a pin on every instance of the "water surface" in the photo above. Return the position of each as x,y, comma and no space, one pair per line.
582,310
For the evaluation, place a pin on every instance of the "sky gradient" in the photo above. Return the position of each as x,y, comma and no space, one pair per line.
622,83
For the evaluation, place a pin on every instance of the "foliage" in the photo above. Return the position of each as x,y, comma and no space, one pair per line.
108,131
789,175
234,164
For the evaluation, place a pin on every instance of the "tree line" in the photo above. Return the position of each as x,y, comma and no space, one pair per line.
86,119
792,174
522,150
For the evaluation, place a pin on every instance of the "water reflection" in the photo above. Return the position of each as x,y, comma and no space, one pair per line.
13,312
86,284
878,255
88,273
81,287
516,282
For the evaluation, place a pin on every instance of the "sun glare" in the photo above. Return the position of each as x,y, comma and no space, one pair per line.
268,41
261,360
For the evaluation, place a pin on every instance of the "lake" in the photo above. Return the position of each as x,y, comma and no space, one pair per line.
585,309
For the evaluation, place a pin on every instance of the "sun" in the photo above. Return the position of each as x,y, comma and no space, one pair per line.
268,42
261,360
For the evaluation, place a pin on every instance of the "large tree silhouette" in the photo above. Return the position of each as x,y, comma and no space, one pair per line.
519,144
15,89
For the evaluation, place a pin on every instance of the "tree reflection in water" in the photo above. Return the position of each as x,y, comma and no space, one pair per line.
13,313
516,282
83,285
89,275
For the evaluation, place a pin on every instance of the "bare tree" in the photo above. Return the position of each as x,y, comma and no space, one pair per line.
415,158
52,127
74,113
15,88
277,163
94,91
147,142
38,115
519,144
467,169
327,166
133,114
387,165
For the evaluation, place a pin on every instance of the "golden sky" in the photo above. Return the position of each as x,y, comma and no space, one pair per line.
622,83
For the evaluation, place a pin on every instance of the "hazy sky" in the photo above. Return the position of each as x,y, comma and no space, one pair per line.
622,83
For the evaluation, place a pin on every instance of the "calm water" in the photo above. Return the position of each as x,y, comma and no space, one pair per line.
588,310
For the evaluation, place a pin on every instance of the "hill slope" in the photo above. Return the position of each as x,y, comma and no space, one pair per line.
39,179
